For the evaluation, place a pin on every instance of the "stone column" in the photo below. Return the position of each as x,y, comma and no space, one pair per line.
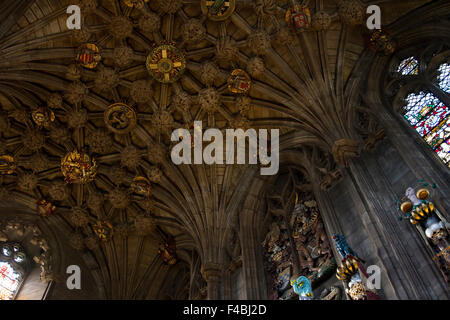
212,273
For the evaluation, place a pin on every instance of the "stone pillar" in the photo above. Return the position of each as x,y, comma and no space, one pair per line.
212,273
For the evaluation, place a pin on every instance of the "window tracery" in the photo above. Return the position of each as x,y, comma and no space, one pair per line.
426,104
12,270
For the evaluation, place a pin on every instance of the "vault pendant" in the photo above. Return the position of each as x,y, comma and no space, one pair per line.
135,3
120,118
218,10
239,81
78,167
298,17
7,164
43,117
166,63
88,55
141,186
104,230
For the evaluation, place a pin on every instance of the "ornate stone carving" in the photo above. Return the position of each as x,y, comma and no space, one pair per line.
239,82
157,153
265,7
330,179
38,162
78,167
167,251
226,49
107,78
169,6
120,118
259,42
118,175
351,12
76,240
60,135
139,4
88,6
256,66
130,157
43,117
123,56
82,35
243,103
103,230
374,138
142,186
77,118
284,36
209,99
120,27
321,20
33,139
345,149
20,114
166,63
240,122
58,191
76,92
119,198
91,243
27,182
209,72
88,55
193,31
155,174
182,100
162,121
73,72
150,22
212,271
54,101
147,204
218,10
79,217
141,91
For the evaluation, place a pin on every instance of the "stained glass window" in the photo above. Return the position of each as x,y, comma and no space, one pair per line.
9,281
427,114
409,66
444,77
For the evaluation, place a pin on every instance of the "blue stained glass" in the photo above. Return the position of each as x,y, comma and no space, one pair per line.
430,117
9,281
409,66
439,134
443,151
444,77
418,106
434,117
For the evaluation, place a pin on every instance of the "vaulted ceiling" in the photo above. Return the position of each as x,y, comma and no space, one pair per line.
301,83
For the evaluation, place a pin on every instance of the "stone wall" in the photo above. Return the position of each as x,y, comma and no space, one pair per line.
364,210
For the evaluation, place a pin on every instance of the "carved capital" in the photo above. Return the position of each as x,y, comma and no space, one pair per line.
373,139
345,149
330,178
212,271
235,264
